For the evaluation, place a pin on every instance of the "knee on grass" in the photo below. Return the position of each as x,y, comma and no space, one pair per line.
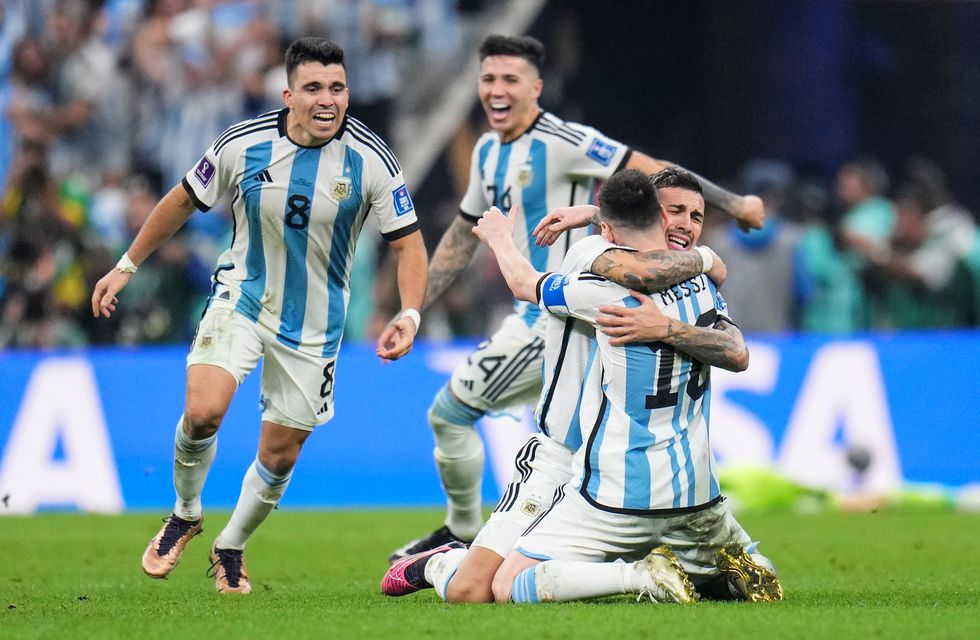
502,587
472,590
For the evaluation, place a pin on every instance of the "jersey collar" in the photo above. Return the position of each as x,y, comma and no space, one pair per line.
529,127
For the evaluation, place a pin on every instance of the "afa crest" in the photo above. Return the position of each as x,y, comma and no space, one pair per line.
531,507
525,176
341,188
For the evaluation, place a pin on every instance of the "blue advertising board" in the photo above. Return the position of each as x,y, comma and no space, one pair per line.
93,430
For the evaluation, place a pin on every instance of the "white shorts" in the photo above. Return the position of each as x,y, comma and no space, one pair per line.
575,530
297,388
540,467
505,371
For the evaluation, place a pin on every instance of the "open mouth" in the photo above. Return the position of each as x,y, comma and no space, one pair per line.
499,110
324,118
678,241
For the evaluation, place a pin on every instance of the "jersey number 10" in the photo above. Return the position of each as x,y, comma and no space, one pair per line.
663,397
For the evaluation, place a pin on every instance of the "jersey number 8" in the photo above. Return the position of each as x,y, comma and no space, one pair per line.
298,215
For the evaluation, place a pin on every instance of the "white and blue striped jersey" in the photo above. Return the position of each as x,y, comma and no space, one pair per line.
569,354
552,164
297,214
647,450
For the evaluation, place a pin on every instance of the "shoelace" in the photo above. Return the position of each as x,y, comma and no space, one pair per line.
231,561
647,593
174,531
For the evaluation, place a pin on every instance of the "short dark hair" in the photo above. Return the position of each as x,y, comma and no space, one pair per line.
525,47
677,177
312,49
629,199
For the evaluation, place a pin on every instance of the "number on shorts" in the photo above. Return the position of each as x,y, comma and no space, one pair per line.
327,387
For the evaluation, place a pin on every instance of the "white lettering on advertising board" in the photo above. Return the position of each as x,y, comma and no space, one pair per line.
61,404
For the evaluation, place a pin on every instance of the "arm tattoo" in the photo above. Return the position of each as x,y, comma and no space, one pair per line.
649,271
713,194
719,346
455,250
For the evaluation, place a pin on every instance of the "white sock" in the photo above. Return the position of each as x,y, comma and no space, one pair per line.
192,461
261,492
441,568
459,458
559,581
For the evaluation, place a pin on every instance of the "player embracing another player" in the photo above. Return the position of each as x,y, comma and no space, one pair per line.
633,407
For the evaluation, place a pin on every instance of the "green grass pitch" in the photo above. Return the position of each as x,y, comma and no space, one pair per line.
316,574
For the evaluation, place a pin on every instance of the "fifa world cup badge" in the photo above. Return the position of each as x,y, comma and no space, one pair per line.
525,176
341,188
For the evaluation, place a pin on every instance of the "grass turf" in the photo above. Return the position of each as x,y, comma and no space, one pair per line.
903,574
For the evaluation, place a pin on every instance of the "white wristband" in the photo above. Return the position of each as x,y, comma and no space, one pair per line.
413,314
125,264
707,258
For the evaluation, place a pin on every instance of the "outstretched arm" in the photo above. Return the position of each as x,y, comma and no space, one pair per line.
747,210
497,231
167,217
455,250
719,346
398,337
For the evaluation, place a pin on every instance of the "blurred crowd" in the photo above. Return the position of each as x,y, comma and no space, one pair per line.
105,104
854,255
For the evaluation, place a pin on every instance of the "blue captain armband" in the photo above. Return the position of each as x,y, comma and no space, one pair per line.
552,293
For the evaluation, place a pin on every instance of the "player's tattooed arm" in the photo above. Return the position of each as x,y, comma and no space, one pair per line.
651,271
719,346
455,250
